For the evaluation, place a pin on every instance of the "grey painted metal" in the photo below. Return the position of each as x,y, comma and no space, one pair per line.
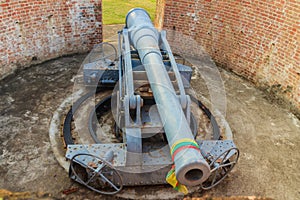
160,157
133,135
188,109
144,37
166,45
211,149
185,100
155,163
128,66
120,63
153,170
134,146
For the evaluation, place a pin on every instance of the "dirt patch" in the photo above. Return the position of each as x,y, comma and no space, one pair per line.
275,94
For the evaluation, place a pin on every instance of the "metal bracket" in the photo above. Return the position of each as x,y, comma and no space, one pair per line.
222,156
211,149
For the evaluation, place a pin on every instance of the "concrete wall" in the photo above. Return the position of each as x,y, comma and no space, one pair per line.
257,39
33,31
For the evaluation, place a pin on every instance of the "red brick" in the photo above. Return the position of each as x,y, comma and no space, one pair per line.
34,21
263,23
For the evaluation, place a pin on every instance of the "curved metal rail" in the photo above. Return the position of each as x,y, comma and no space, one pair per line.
104,106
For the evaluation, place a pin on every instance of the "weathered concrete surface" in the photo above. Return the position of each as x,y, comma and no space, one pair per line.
27,102
267,135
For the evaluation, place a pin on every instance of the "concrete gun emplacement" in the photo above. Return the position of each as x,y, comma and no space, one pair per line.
153,118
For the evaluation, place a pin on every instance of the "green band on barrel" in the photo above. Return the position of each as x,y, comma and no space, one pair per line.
183,140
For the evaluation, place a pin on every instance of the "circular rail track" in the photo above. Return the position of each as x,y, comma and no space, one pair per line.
89,120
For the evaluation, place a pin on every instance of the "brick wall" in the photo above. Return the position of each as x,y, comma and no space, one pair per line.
33,31
257,39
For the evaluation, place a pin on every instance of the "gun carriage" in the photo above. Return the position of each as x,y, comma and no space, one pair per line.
153,119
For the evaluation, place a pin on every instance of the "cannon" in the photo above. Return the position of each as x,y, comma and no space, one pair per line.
153,119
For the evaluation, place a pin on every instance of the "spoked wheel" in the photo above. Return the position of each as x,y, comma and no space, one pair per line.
220,167
98,174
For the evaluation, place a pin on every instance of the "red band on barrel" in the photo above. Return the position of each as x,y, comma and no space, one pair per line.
182,148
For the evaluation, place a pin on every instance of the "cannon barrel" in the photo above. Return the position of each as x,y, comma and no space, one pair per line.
190,167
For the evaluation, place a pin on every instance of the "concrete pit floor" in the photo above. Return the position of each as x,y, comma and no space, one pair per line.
267,135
